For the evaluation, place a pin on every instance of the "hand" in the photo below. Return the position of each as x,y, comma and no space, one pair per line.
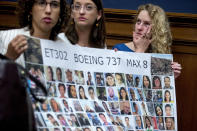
142,41
176,69
16,47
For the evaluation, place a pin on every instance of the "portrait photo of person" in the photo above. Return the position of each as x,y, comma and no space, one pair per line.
91,93
123,95
49,73
77,106
144,108
137,81
138,122
86,129
128,123
129,80
160,123
45,107
99,129
167,82
156,82
146,82
89,81
104,119
79,77
158,109
168,109
62,90
151,108
125,108
51,89
140,94
110,80
51,120
72,93
120,79
113,121
112,94
135,108
132,92
94,118
55,105
170,123
98,107
88,107
167,96
99,79
157,96
148,123
114,108
109,128
62,120
101,93
105,107
69,76
119,120
82,94
83,119
148,95
66,106
59,75
74,120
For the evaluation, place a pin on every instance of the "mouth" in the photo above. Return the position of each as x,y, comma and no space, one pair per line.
82,18
47,20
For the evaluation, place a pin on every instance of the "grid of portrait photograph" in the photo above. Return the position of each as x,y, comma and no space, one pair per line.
103,101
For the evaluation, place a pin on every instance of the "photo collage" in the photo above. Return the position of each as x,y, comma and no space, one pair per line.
102,101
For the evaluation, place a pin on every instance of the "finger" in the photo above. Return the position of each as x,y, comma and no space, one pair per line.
115,49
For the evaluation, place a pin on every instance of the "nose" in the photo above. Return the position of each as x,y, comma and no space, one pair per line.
82,10
48,8
140,26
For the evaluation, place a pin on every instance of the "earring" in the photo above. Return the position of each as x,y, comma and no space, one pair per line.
28,17
72,22
97,25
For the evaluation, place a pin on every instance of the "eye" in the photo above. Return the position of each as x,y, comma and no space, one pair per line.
89,7
77,7
138,21
41,2
55,4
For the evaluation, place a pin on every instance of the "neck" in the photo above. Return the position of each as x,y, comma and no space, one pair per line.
130,45
84,34
42,35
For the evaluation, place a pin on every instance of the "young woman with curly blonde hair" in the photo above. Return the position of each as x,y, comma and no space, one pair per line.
151,34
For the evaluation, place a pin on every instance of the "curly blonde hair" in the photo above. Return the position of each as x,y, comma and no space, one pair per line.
161,33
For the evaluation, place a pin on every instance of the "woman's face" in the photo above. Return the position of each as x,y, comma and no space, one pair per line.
146,82
62,91
167,82
168,123
45,16
82,93
132,94
84,13
54,104
110,81
73,91
118,78
49,73
142,25
148,122
58,74
123,93
157,82
167,96
159,111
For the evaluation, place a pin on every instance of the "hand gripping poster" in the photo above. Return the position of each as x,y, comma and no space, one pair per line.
101,90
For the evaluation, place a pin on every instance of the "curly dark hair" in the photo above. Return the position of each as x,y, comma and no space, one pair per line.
24,9
98,34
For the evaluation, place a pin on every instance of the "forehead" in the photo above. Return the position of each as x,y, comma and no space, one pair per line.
143,15
83,1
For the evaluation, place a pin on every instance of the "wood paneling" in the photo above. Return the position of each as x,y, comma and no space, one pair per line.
119,30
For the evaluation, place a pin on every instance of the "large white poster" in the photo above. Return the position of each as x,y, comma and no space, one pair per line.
101,90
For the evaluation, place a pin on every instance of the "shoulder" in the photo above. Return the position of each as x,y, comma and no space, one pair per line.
122,47
62,37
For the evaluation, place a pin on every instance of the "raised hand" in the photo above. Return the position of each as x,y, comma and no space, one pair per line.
16,47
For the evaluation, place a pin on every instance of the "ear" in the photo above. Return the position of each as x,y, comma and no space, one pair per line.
99,15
